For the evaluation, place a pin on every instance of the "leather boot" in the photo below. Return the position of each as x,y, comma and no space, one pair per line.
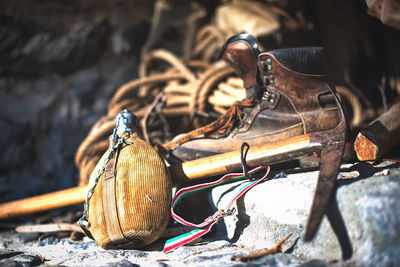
291,96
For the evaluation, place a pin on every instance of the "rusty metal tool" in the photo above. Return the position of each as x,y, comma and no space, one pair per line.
331,143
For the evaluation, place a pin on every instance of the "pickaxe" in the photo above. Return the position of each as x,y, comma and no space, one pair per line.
328,144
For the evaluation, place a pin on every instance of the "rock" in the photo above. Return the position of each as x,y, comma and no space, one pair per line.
123,263
363,225
314,263
59,65
48,241
279,259
17,141
6,253
22,260
27,237
70,37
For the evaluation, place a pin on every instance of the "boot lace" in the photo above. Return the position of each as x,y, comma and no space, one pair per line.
221,127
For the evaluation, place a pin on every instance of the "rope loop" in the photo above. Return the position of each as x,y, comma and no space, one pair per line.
243,156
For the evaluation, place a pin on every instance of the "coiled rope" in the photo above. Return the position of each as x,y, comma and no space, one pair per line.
181,90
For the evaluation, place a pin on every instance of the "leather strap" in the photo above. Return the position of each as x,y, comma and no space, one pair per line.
109,202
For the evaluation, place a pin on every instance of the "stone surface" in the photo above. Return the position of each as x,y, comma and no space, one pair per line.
87,253
363,225
363,228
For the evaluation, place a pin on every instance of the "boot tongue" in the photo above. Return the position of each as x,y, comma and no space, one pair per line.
257,90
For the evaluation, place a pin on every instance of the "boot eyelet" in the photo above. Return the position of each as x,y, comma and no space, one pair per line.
266,80
264,65
266,98
269,61
266,95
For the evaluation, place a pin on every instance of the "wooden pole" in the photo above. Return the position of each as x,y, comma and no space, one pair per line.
266,154
380,135
44,202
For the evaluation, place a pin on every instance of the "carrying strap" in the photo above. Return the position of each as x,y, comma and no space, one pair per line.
111,156
110,203
124,126
206,226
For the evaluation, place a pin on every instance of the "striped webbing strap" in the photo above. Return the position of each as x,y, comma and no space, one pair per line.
206,226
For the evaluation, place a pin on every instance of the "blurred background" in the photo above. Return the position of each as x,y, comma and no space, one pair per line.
61,62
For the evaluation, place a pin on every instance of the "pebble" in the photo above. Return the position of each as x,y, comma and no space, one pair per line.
48,241
314,263
279,259
27,237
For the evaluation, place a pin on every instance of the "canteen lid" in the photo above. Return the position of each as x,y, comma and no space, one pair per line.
125,122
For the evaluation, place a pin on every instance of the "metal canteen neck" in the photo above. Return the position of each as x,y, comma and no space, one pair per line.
125,122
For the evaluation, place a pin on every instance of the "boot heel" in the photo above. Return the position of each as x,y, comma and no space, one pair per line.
332,147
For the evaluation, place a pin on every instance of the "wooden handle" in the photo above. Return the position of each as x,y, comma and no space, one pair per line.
266,154
379,136
201,168
44,202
